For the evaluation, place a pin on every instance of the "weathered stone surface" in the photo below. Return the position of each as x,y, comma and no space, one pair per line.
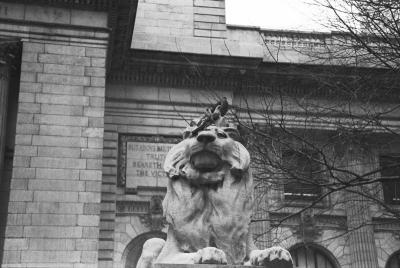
54,208
55,196
64,79
89,18
96,52
59,141
60,59
47,14
90,197
64,50
36,256
60,174
30,87
51,244
62,99
98,62
61,120
62,109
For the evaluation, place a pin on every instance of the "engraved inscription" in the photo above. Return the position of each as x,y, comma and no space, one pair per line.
133,207
144,164
141,159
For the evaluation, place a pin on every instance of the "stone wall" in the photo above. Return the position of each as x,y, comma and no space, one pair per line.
54,206
199,26
185,26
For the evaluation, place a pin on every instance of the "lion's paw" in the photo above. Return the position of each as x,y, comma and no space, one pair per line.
210,255
274,257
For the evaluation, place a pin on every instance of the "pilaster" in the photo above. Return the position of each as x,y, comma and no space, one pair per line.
357,161
54,206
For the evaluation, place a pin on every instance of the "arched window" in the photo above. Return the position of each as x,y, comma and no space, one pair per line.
394,260
312,256
134,249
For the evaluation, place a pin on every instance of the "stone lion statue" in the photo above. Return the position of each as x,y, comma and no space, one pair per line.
209,202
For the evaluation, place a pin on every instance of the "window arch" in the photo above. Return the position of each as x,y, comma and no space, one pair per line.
133,251
394,260
312,256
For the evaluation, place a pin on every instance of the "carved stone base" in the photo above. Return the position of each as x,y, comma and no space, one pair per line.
273,264
165,265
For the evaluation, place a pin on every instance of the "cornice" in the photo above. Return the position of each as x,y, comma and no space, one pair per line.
97,5
184,70
240,74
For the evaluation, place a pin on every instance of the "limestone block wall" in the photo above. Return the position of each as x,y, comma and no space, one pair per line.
165,18
199,26
193,26
209,18
54,206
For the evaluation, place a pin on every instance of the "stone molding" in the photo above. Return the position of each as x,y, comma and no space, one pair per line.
63,35
100,5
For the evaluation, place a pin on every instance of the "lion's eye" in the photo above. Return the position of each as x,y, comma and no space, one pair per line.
222,135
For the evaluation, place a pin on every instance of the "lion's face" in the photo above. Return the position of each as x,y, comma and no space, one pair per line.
205,158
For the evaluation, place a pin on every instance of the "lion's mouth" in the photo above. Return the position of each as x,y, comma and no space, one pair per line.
205,161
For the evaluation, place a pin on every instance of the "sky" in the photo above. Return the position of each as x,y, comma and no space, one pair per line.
300,15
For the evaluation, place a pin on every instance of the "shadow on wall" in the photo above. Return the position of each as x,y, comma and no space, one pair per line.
10,70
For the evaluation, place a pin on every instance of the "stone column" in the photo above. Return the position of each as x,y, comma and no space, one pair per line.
362,248
261,226
3,114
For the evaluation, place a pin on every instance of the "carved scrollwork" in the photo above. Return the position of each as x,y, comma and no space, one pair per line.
308,230
154,219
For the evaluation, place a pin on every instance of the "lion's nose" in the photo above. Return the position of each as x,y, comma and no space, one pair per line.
206,137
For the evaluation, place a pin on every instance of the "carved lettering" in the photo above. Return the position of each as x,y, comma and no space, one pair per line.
144,164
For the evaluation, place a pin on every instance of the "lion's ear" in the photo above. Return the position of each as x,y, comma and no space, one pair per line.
175,158
241,157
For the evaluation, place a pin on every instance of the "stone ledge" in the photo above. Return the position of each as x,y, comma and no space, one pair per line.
167,265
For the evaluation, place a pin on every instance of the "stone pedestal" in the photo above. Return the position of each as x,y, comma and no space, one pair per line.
164,265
